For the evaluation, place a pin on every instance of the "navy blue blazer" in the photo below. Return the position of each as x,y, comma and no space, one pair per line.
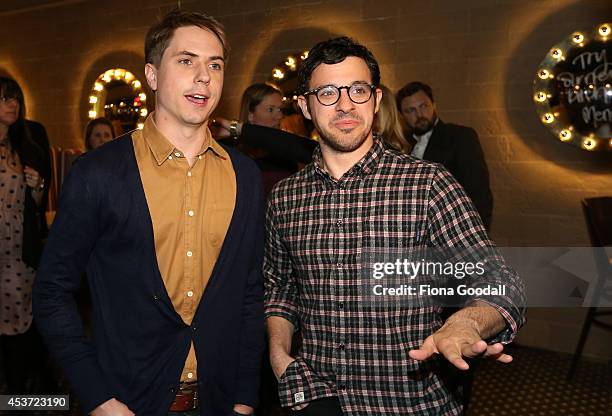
139,342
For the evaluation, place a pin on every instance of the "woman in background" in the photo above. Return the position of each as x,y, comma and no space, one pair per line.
389,124
25,170
97,132
261,105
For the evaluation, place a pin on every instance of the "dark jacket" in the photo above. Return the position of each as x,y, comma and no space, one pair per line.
139,342
29,141
458,149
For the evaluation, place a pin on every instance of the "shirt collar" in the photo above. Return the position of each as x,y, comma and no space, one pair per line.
162,149
364,167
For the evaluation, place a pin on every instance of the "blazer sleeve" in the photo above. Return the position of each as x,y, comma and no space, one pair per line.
64,260
280,144
472,172
252,338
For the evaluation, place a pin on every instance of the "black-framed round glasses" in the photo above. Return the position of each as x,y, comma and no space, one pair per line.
359,93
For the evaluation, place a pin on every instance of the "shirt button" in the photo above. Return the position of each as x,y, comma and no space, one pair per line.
341,306
177,154
339,266
170,157
200,157
188,173
189,375
191,213
339,223
341,347
189,254
190,293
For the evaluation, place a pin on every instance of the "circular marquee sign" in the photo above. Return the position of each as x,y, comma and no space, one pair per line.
573,92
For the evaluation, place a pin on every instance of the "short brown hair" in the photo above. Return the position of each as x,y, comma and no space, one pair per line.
159,36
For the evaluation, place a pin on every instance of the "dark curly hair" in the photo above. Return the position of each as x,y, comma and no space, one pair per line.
331,52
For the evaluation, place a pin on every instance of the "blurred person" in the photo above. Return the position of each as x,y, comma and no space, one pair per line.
168,226
388,122
261,105
97,132
25,170
454,146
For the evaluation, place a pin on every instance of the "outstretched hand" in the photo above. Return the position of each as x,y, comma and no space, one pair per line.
458,340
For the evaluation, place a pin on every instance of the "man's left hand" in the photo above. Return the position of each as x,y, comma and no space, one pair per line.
242,409
456,340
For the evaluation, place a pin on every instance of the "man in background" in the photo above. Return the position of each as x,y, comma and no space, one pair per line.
454,146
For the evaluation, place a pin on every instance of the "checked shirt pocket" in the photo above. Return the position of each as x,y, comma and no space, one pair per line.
297,385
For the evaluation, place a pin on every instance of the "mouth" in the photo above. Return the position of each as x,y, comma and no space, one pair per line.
346,124
197,99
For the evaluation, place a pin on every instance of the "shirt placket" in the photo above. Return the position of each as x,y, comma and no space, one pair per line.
190,249
340,280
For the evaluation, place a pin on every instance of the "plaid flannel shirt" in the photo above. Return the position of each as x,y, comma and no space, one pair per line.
319,230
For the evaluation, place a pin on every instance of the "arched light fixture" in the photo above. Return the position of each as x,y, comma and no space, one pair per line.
97,96
572,92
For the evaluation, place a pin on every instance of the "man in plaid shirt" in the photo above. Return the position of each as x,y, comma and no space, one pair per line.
323,222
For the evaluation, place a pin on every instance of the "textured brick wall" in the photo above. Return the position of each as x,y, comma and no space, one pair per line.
479,55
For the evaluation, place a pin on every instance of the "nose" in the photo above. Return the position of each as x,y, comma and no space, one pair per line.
203,75
278,115
345,104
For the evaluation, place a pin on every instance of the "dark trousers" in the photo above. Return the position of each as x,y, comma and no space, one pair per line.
329,406
24,359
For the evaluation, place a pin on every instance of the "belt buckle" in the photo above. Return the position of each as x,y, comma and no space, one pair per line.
186,398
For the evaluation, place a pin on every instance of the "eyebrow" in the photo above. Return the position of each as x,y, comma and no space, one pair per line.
195,55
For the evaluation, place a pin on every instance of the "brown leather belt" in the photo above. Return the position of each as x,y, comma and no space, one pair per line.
186,398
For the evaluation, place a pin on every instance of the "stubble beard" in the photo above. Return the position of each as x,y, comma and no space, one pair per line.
341,140
426,126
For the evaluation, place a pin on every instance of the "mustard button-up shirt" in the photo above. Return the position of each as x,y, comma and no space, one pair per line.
191,208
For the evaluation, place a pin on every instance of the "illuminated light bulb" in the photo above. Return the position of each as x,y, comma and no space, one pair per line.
290,62
110,72
294,97
565,135
548,118
539,97
304,55
140,126
93,99
143,112
119,73
93,114
610,142
604,30
589,143
577,87
128,76
577,37
106,78
136,84
556,53
143,96
278,74
543,74
98,86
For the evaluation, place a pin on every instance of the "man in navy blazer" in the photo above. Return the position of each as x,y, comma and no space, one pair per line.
125,218
454,146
